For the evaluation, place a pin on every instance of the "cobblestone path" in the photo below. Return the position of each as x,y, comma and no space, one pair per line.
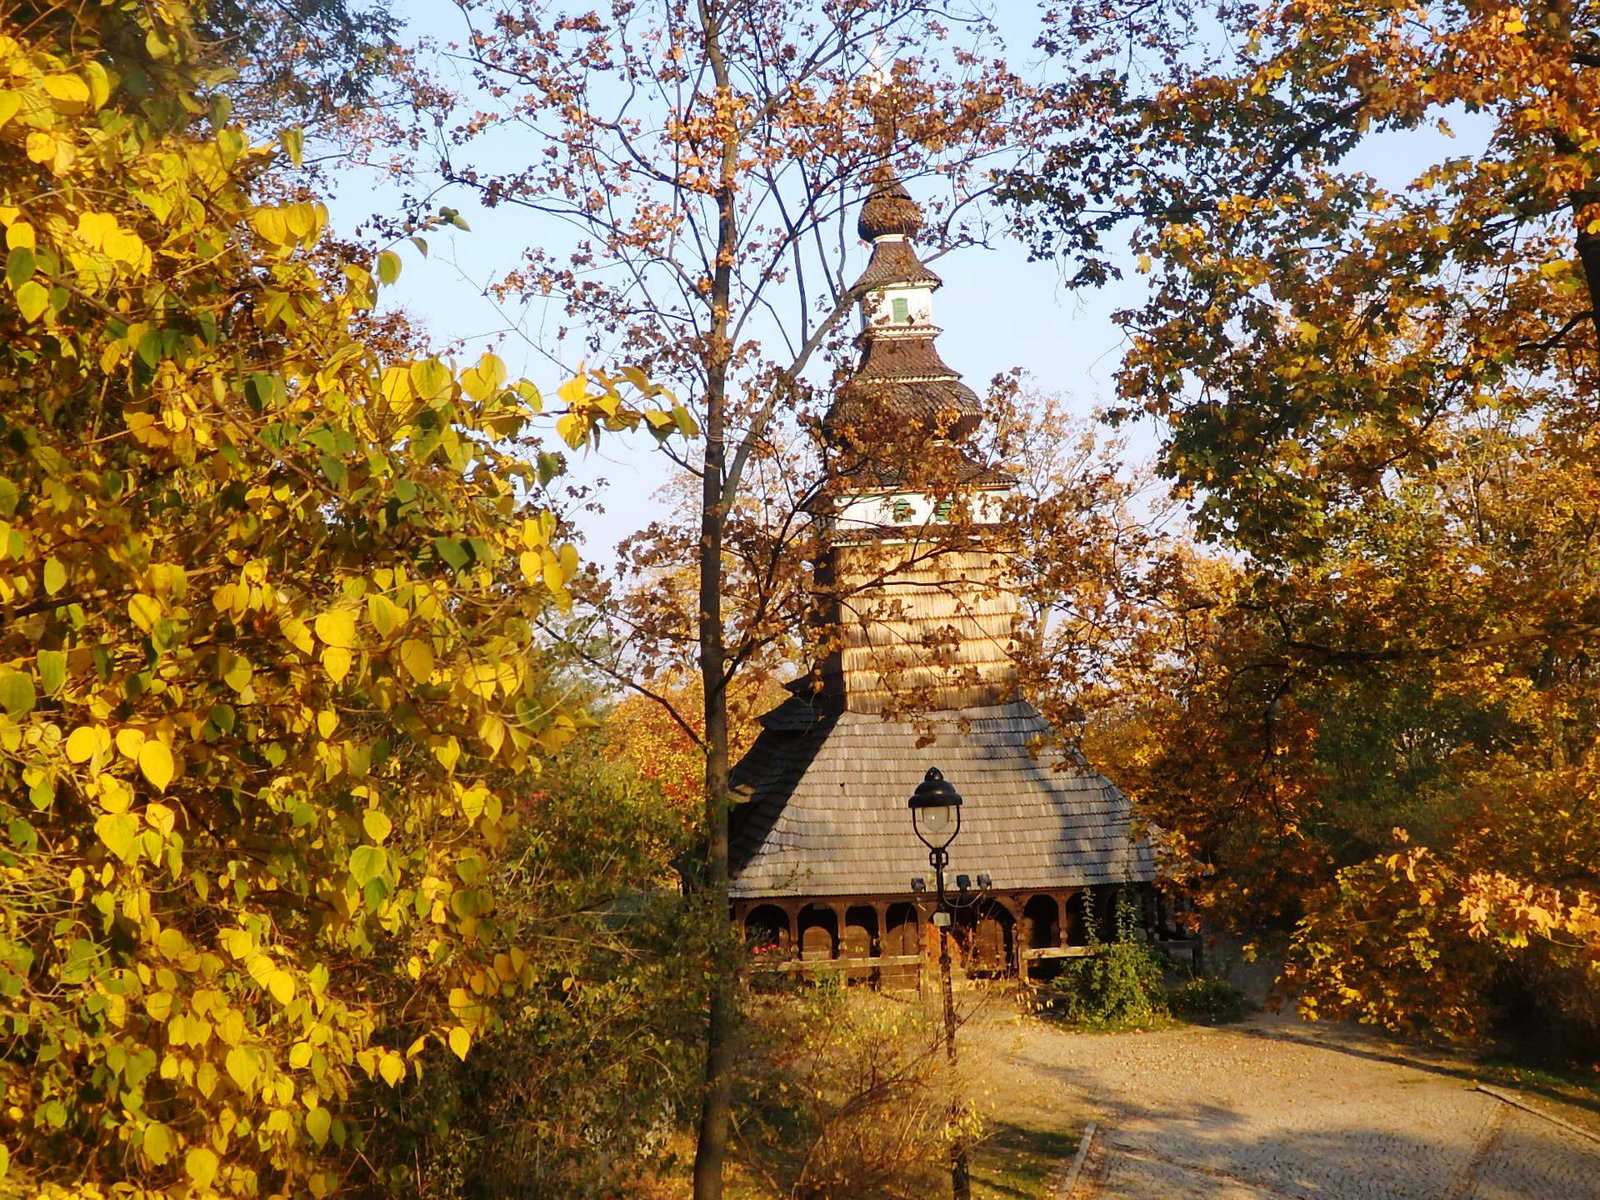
1277,1109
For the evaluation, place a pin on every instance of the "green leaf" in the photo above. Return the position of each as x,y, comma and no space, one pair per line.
367,863
52,670
16,692
452,551
20,265
318,1122
388,266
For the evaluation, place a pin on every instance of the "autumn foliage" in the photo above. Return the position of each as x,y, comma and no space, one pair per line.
1375,381
268,671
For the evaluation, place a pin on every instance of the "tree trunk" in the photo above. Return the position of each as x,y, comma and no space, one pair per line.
716,1101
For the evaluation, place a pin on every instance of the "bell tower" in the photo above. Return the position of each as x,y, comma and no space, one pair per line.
915,556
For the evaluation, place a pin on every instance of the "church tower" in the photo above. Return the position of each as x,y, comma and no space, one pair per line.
925,614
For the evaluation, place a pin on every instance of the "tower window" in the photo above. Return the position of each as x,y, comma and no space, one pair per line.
902,309
902,511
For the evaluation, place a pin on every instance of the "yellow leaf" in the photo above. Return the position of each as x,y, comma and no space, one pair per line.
32,300
81,744
144,611
156,765
159,816
300,1055
271,224
296,633
337,628
237,672
237,942
71,94
19,235
115,796
396,388
417,658
336,662
158,1005
493,732
460,1042
99,83
201,1166
119,832
242,1067
377,825
281,985
130,742
41,146
157,1143
385,616
393,1069
327,722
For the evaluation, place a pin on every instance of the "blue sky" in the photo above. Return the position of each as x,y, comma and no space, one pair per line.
998,310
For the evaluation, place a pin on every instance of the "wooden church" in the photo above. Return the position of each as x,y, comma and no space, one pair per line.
825,866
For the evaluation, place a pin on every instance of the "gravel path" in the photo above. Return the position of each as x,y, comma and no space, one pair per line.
1277,1109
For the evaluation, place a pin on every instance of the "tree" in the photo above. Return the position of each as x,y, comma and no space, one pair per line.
1380,397
707,158
267,648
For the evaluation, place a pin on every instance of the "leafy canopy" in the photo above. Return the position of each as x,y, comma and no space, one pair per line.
268,588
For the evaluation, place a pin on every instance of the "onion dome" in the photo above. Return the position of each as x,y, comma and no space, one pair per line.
889,210
901,384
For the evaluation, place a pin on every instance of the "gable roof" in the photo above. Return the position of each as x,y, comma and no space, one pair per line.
824,812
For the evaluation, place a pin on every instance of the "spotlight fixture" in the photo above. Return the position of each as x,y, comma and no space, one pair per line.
963,882
919,884
985,880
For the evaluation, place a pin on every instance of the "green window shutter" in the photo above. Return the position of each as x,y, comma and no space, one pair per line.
942,512
902,510
902,309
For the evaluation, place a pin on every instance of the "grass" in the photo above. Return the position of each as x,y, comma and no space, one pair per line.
1014,1163
1546,1074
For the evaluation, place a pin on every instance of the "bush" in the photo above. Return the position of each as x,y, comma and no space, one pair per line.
846,1095
1120,983
1208,1000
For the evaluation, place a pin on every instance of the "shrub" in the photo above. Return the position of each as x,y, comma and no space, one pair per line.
1208,1000
845,1095
1120,983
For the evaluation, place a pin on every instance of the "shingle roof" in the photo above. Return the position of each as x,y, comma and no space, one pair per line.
890,209
824,805
895,263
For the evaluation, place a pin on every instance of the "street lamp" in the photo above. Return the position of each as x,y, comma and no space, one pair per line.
936,818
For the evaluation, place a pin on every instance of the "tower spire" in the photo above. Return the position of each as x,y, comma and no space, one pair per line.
901,382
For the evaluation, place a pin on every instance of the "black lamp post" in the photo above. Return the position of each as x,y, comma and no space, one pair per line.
936,818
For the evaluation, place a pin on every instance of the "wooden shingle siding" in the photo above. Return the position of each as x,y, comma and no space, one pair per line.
940,632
